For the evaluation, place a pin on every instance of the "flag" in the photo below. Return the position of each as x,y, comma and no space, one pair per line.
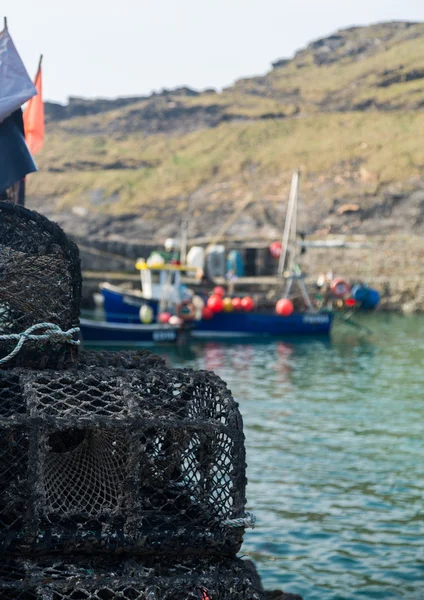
34,117
15,158
16,86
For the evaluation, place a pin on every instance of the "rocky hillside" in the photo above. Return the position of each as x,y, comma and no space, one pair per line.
347,110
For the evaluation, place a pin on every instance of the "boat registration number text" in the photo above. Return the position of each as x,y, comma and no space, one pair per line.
164,336
316,319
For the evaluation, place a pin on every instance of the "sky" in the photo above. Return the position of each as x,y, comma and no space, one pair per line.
99,48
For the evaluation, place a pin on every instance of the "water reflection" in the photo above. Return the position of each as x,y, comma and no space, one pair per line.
334,433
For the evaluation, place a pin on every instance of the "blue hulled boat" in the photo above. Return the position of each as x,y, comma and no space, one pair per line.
103,333
122,306
231,325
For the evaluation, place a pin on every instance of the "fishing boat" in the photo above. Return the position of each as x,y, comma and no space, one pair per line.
134,317
123,307
164,293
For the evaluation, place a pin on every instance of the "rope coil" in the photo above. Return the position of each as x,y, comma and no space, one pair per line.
247,521
49,332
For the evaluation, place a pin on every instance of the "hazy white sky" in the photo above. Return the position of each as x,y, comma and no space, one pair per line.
131,47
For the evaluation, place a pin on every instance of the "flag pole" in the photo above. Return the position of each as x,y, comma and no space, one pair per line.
40,62
5,22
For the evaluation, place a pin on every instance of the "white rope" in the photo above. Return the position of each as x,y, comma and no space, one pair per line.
50,332
248,521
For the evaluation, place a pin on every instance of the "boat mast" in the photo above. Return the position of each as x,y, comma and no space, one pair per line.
289,247
289,233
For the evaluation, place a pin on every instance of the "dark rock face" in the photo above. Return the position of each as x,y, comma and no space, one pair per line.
282,62
355,42
392,76
168,110
81,107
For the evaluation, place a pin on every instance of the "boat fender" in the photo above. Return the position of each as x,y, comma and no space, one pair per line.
146,314
339,287
186,310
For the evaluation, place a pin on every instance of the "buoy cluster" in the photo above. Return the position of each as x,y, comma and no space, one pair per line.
219,302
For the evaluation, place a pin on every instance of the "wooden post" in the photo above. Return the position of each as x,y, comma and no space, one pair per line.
183,243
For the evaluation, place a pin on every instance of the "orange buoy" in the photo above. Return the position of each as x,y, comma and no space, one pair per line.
219,291
284,307
207,313
247,303
236,302
339,287
227,305
215,303
164,317
186,310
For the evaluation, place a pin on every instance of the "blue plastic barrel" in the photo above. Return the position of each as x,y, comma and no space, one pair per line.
235,263
366,296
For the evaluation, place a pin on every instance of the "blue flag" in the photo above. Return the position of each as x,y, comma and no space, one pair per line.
15,158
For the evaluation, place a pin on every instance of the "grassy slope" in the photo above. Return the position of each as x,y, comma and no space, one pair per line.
340,151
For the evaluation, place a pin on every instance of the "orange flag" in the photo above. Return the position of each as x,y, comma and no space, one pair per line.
34,117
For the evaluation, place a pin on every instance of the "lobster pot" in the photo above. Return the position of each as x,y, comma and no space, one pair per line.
142,360
100,460
40,283
109,580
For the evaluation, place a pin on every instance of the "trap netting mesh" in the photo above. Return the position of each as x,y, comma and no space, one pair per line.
120,459
40,281
123,359
127,579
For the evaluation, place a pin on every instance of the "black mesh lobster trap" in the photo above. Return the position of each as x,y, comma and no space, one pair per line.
40,283
128,580
135,458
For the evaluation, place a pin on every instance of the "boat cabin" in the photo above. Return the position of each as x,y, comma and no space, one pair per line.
163,282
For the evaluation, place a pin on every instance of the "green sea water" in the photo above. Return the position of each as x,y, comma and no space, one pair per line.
335,447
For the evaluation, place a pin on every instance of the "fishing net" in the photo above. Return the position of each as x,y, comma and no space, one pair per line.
123,359
132,458
40,283
91,579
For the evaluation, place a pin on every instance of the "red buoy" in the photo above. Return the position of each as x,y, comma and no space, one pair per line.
236,303
219,291
350,302
164,317
275,249
207,313
215,303
284,307
247,303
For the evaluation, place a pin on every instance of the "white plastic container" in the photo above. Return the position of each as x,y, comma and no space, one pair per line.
196,258
215,261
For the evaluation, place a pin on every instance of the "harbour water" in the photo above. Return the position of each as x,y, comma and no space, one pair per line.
335,447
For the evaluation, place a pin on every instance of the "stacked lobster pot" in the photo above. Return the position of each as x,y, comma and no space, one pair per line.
119,477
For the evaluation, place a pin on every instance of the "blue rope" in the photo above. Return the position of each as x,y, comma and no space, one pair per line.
50,332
